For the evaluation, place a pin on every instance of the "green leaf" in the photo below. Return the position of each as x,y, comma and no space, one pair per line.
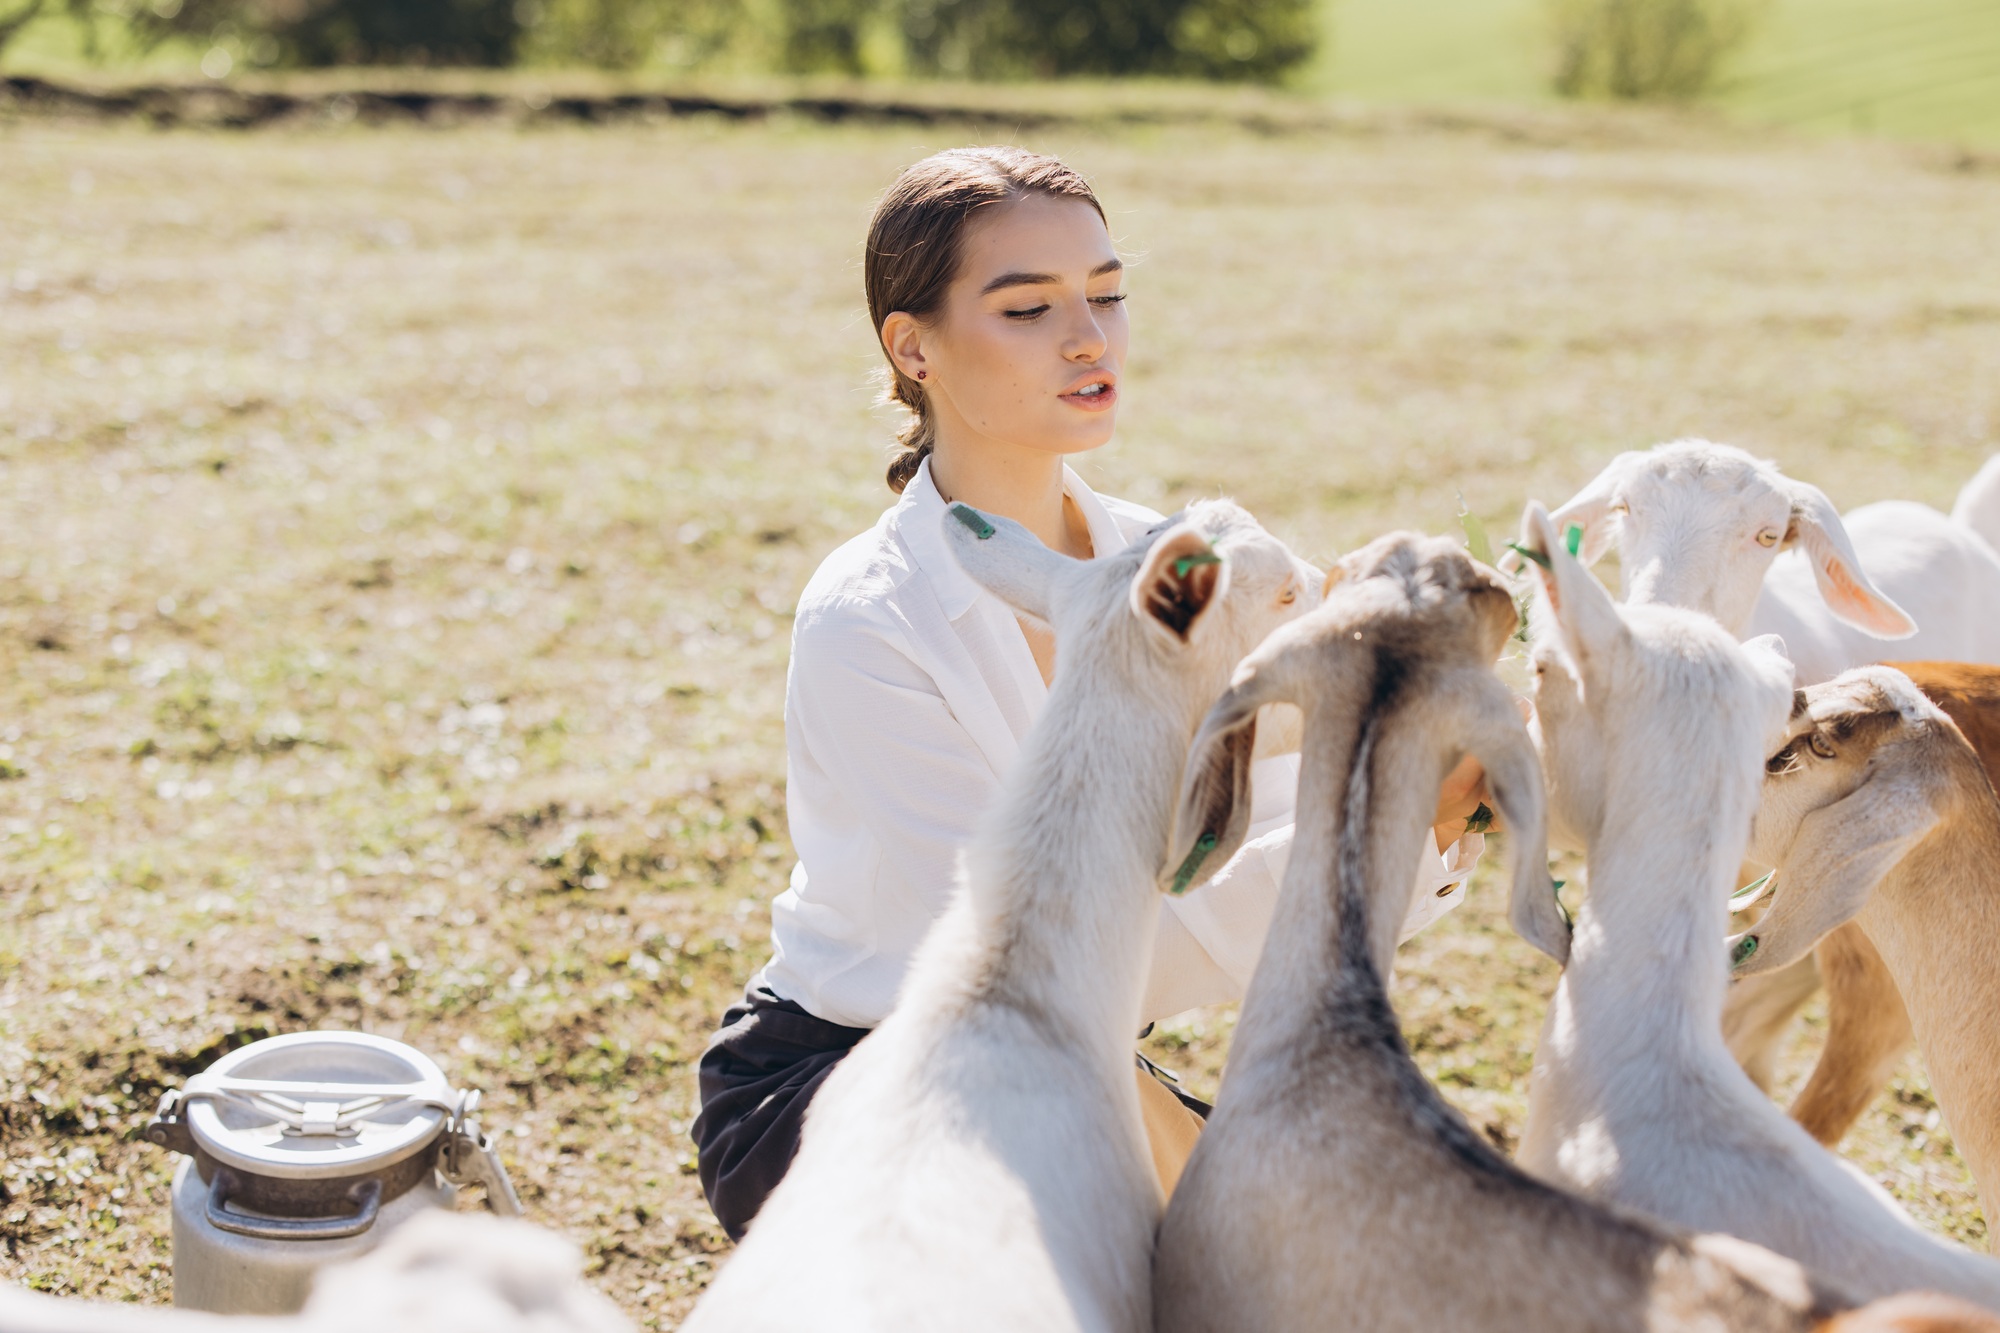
1475,534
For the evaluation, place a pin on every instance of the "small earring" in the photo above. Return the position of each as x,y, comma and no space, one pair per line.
922,373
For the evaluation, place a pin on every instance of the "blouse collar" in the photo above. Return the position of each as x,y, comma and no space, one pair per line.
921,515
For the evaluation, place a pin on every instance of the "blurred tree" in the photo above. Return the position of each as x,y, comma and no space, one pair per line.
824,35
17,18
1645,49
338,32
1211,39
624,34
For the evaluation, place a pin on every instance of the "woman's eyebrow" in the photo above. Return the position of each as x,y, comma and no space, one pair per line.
1043,279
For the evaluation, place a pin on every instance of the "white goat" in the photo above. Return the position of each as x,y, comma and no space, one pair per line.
1654,726
1978,504
1333,1186
437,1273
1709,527
978,1161
1877,810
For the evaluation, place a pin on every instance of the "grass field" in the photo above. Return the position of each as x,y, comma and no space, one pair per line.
1925,68
398,533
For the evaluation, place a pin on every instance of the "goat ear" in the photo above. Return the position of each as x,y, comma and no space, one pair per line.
1817,530
1590,509
1841,853
1586,618
1006,559
1214,811
1181,578
1498,738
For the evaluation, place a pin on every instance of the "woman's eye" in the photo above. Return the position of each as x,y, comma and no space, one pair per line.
1111,300
1820,746
1027,314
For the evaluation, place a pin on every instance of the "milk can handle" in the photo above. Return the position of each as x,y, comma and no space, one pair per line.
367,1194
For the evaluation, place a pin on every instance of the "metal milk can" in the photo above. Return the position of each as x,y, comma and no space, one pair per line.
302,1151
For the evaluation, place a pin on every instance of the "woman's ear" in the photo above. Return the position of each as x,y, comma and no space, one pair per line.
1006,559
1214,812
903,340
1179,580
1816,528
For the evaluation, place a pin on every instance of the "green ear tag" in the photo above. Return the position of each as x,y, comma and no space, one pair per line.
1187,562
1741,954
1481,820
1528,554
973,519
1185,875
1573,538
1556,888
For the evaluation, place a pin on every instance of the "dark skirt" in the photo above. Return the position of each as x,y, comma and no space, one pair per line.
757,1076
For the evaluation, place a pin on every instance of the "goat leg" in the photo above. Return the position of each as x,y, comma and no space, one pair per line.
1868,1029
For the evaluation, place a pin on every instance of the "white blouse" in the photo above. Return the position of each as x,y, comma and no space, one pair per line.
910,690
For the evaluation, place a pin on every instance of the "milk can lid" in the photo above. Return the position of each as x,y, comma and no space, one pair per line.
313,1105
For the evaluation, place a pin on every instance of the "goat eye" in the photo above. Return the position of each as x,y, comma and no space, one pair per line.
1620,507
1287,595
1768,537
1821,746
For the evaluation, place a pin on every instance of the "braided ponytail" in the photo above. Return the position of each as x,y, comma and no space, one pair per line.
914,244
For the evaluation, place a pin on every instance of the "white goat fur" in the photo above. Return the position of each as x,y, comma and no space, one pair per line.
1333,1186
1654,726
1978,504
1709,527
978,1161
1878,811
437,1273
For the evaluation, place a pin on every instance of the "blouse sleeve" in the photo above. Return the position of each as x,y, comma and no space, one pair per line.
878,730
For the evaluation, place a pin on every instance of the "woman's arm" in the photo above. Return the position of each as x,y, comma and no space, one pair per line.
874,743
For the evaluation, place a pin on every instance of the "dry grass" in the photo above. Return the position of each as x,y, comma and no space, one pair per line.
399,529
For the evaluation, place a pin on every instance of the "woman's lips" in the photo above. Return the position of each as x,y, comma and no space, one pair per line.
1101,401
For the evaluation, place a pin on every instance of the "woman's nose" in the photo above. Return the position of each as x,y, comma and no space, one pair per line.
1086,341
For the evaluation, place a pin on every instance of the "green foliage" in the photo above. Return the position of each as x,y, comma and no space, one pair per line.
1645,49
1210,39
315,33
625,34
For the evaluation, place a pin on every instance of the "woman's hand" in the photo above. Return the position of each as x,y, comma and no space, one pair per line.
1463,793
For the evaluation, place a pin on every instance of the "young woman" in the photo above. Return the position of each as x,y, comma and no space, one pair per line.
997,297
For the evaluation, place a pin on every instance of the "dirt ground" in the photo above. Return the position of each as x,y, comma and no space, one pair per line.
399,531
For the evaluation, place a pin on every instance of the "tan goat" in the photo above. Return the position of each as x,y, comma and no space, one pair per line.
1333,1185
1878,811
1868,1029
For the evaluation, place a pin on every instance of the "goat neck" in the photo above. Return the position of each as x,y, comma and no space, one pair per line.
1062,875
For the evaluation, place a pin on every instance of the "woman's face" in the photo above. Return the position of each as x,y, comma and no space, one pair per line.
1029,344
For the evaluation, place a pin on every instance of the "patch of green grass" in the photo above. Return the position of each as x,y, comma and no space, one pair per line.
399,532
1924,68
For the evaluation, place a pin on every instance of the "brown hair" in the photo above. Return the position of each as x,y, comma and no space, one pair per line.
914,245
